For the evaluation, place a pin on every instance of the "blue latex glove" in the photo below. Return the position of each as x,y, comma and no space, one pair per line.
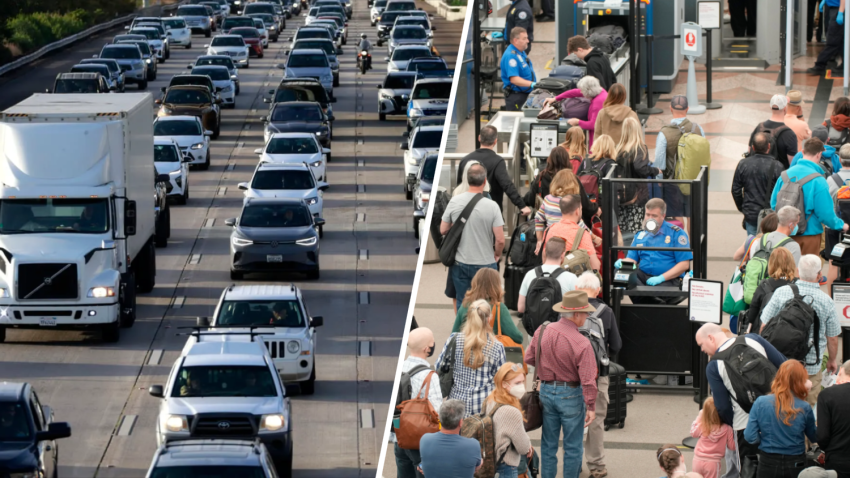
496,35
533,84
618,264
655,280
840,19
822,3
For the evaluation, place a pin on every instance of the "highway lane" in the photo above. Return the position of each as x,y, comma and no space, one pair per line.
367,261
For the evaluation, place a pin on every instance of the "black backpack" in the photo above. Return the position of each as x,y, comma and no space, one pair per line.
521,252
440,203
789,330
405,390
590,176
772,137
594,330
543,293
836,138
749,372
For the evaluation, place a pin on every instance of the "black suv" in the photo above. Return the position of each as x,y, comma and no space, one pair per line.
25,424
303,89
299,117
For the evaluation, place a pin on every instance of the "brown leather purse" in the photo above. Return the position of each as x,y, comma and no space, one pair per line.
418,417
530,402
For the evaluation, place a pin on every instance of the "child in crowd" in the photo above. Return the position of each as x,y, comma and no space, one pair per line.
714,438
576,145
672,463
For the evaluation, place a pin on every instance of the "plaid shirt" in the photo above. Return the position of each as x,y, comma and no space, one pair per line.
567,356
472,386
823,305
416,381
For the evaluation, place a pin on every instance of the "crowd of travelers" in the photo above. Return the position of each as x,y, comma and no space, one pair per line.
780,401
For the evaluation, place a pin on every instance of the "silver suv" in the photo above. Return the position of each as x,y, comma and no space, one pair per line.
213,457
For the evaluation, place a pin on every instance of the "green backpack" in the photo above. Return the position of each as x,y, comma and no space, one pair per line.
692,154
756,269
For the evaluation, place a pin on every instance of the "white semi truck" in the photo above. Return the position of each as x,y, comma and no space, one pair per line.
77,213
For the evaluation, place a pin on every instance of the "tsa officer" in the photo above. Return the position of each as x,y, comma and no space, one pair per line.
520,15
518,78
662,268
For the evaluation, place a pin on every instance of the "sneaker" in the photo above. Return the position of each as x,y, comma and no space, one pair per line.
600,473
545,19
815,72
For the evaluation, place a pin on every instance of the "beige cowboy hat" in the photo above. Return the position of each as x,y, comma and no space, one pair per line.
574,301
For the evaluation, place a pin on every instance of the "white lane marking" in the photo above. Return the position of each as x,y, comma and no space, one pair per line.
361,162
231,166
364,254
209,222
367,418
361,188
365,348
359,124
238,149
222,191
247,127
156,356
364,298
178,302
361,217
127,425
195,259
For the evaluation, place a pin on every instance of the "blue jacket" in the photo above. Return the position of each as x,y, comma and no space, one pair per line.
818,203
772,435
829,154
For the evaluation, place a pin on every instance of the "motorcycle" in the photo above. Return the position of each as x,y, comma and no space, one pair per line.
364,59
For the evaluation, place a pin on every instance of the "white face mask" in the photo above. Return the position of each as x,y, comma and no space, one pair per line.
517,391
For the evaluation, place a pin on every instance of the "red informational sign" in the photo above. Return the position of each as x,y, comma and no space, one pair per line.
690,39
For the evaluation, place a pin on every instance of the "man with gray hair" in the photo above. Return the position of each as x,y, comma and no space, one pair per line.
809,273
834,423
446,454
497,173
788,217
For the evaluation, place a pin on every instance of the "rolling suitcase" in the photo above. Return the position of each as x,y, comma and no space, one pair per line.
513,280
616,396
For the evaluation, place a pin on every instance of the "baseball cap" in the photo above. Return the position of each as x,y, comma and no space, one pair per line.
817,472
679,102
820,132
778,102
795,98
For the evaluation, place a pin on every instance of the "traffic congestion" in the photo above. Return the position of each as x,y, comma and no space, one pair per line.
232,304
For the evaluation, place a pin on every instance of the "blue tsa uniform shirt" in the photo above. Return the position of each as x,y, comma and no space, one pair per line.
655,263
516,63
519,15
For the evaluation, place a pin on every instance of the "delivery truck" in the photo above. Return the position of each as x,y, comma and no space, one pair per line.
77,212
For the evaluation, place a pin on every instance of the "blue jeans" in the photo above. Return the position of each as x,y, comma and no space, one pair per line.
563,407
406,462
506,471
752,229
462,275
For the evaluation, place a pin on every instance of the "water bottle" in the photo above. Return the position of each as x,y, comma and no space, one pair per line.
686,281
522,237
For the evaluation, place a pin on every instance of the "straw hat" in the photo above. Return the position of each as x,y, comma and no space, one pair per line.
574,301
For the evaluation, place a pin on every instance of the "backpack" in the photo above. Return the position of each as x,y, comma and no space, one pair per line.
417,417
543,293
535,98
577,260
595,332
841,200
791,194
836,138
575,108
756,269
602,42
590,177
521,250
772,137
451,241
692,154
556,86
568,72
446,372
575,163
441,201
750,373
826,165
788,331
480,428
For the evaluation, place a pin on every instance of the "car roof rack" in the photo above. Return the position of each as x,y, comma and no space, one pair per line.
198,331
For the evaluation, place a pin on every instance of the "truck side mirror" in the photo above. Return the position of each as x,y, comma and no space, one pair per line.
405,146
130,218
317,321
230,222
243,186
203,321
156,391
54,431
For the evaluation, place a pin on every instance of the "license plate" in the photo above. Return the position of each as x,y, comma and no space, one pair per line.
274,258
47,321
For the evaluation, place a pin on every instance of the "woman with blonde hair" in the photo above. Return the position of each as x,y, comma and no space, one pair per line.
613,113
564,183
781,271
601,156
633,159
589,88
477,358
575,144
487,285
780,422
512,442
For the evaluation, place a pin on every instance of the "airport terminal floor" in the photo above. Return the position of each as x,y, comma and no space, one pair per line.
368,262
661,417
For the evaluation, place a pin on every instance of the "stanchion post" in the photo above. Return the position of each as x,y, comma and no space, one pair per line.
789,43
476,66
845,56
709,105
632,52
650,99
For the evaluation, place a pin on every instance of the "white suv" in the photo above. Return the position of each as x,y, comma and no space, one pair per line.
286,180
225,386
188,132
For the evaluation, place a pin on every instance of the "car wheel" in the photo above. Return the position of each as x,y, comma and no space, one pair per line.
216,131
321,232
260,55
144,268
161,234
373,23
345,41
247,64
237,89
143,85
407,193
313,275
168,53
110,333
188,46
128,301
236,275
206,165
416,228
2,334
160,60
123,87
208,33
330,158
382,116
336,81
308,387
380,43
181,199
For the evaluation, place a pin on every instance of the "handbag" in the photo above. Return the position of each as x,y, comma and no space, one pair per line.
733,301
451,240
552,111
530,402
447,368
512,349
417,418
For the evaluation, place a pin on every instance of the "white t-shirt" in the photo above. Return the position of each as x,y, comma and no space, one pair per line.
566,279
775,238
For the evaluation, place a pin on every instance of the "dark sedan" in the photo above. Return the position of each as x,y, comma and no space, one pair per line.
299,117
274,235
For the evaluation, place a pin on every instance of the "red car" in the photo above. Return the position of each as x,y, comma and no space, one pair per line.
252,39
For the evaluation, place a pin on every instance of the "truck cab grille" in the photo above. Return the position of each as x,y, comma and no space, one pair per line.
47,281
276,349
223,425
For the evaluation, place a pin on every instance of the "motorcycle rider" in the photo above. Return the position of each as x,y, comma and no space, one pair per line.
366,46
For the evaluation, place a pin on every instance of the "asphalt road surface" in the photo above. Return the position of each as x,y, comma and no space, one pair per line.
368,265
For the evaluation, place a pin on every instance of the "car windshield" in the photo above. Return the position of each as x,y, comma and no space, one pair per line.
254,8
122,53
127,38
427,139
412,21
307,60
103,70
14,424
75,86
275,215
327,46
284,95
409,33
194,80
227,41
238,22
185,97
143,46
165,153
283,179
246,32
292,146
325,23
388,18
265,17
217,74
192,11
175,23
208,471
401,6
216,61
329,9
110,65
176,128
313,12
277,313
224,381
381,3
405,54
149,34
258,24
430,168
20,216
399,82
338,22
426,66
303,34
432,90
289,112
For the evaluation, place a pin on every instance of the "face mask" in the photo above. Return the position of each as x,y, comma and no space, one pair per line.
651,226
431,350
517,391
796,228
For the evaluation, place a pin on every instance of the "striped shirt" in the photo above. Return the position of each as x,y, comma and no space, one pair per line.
435,396
550,213
567,356
472,386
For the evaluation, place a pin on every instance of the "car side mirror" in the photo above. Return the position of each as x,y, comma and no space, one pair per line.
326,151
156,391
317,321
319,221
331,118
168,34
186,159
126,27
243,186
162,89
433,28
431,34
190,66
264,119
129,218
333,100
323,186
202,321
230,222
258,151
162,178
267,100
290,38
405,97
54,431
157,102
405,134
207,45
387,59
285,52
208,133
379,86
279,66
94,56
405,146
47,90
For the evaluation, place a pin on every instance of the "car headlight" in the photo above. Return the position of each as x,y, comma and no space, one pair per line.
416,112
178,179
4,293
177,423
293,347
329,78
272,27
307,242
237,2
101,292
197,145
24,474
167,111
238,241
412,160
311,201
315,164
423,200
227,89
385,96
321,133
148,61
272,423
